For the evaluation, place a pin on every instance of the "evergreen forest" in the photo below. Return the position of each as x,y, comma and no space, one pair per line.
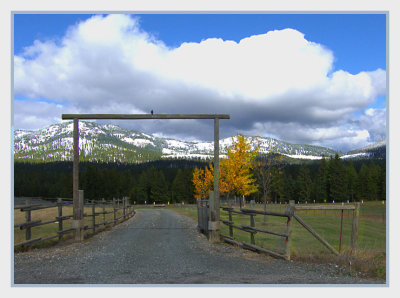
171,181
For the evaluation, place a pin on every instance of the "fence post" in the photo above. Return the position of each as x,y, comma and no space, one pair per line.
77,223
354,231
123,204
94,215
115,214
104,211
213,224
252,223
60,220
28,218
289,226
230,219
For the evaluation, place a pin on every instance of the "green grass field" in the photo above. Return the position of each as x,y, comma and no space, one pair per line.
370,257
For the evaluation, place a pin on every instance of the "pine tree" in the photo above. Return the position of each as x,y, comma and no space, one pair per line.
320,182
289,187
304,184
373,181
180,188
362,183
351,181
336,180
382,184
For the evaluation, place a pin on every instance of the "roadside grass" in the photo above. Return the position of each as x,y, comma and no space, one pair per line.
52,228
369,260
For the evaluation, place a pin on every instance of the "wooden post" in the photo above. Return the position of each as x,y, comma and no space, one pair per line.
341,229
252,223
123,204
104,211
230,219
216,172
115,214
28,219
94,216
75,179
60,220
213,224
289,228
77,224
354,231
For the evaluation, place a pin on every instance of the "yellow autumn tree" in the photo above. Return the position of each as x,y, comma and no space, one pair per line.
203,182
236,169
235,175
223,186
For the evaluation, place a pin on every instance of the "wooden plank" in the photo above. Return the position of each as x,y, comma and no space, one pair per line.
65,217
28,242
354,230
261,249
66,231
315,234
143,116
27,224
234,242
228,237
30,207
227,222
236,227
327,207
264,231
289,228
49,238
37,223
249,211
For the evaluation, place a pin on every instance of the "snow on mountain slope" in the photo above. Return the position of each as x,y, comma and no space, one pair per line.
110,142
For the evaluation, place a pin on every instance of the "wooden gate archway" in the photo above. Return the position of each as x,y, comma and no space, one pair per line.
214,204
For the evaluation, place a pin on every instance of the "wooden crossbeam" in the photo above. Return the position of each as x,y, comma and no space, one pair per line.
144,116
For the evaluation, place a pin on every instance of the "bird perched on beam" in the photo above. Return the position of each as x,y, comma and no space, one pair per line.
151,112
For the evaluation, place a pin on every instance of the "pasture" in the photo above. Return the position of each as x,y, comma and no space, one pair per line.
369,259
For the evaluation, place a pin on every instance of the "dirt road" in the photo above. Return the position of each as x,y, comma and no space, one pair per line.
160,246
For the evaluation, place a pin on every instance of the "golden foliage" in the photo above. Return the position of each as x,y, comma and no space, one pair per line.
235,174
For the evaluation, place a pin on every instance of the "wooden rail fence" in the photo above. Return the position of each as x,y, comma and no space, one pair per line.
29,224
291,212
252,230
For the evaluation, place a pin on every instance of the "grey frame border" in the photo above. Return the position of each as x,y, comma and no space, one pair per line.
216,12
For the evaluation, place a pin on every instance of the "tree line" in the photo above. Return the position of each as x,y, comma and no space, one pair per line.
171,180
330,180
157,181
268,177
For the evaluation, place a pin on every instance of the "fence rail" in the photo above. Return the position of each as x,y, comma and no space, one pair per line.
291,212
252,230
29,224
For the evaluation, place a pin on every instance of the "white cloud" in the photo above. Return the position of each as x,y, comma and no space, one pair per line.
276,79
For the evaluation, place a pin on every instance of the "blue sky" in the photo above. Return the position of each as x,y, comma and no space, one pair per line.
350,43
358,40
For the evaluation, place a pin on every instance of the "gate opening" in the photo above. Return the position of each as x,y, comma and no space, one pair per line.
214,205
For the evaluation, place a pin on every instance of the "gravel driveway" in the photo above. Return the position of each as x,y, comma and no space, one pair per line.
159,246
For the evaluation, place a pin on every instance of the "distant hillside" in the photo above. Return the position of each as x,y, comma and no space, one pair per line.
375,151
111,143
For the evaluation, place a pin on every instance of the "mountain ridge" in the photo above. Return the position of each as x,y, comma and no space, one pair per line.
111,143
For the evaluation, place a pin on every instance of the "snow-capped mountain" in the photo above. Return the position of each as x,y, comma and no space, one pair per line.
112,143
376,150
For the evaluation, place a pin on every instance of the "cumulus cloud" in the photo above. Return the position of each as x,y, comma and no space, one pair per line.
277,83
